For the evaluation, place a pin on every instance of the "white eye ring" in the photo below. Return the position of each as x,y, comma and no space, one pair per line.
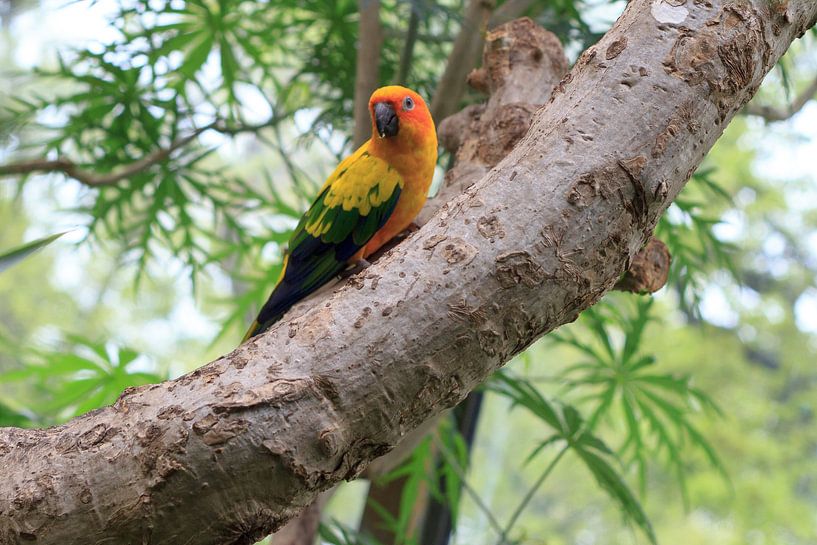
408,104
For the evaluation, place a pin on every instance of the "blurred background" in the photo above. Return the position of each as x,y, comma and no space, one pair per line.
226,116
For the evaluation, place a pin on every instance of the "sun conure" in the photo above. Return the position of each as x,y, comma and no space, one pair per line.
372,195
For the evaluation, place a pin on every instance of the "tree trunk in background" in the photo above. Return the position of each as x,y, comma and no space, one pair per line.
438,520
479,18
463,57
367,67
231,451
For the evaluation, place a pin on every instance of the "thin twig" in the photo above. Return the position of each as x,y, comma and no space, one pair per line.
92,179
452,461
503,537
774,113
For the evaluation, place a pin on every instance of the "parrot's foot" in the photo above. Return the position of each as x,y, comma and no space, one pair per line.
359,265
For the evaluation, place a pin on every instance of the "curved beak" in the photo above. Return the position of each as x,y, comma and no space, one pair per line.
385,120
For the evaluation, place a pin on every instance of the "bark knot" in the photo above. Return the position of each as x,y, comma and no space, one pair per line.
458,252
615,48
490,227
724,54
518,267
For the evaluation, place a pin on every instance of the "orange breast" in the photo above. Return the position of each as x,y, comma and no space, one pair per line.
417,170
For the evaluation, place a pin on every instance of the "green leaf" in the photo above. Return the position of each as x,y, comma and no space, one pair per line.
617,489
229,67
522,393
9,417
14,256
197,56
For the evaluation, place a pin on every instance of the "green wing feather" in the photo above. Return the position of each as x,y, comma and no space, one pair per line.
354,203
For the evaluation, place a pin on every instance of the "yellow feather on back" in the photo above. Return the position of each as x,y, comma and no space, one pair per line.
361,181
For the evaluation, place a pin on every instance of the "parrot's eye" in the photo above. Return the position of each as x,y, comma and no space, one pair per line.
408,104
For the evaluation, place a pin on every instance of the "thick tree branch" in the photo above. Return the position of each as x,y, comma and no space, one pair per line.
522,63
302,529
231,451
774,113
367,67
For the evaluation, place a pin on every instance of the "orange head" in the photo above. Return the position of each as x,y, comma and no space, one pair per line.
400,116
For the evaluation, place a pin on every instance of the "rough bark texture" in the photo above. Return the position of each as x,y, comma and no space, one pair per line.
303,529
521,65
229,452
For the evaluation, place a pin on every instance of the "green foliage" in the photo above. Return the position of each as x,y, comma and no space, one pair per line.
620,385
446,486
415,471
571,430
77,377
9,417
140,103
442,477
15,255
336,533
688,232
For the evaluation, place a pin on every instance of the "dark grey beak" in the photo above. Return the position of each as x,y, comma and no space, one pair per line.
385,120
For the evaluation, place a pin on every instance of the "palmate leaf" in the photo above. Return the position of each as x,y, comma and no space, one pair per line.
15,255
522,393
78,377
687,230
436,466
446,483
654,409
704,177
611,482
574,433
694,247
419,464
172,67
415,471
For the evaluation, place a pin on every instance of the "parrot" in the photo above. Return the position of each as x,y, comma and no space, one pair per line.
372,195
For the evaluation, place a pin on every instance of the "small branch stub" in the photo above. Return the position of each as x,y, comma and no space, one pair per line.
648,270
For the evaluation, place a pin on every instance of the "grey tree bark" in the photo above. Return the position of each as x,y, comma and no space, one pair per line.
229,452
